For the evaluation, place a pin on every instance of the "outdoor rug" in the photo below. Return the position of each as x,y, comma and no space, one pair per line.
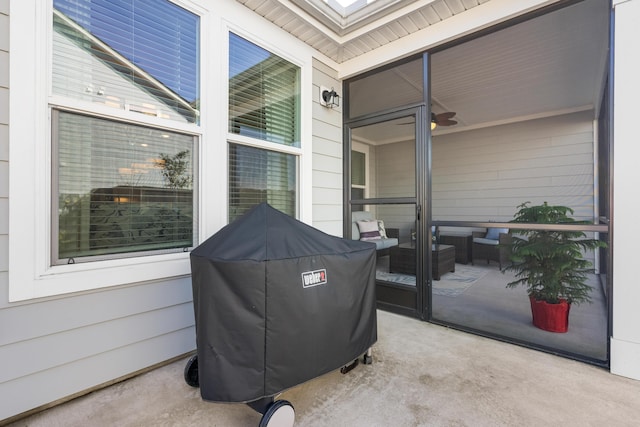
450,284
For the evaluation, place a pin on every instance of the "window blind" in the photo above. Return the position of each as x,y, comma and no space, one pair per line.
264,92
256,176
121,187
140,55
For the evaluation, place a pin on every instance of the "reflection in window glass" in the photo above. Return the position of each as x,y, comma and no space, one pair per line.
121,187
256,176
264,94
136,55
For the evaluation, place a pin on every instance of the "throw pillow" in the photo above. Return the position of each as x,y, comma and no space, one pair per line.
369,230
494,233
381,229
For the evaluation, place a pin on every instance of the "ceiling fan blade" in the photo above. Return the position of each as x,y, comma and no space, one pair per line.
446,115
442,119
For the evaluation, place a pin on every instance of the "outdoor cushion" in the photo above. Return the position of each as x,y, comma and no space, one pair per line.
381,229
355,217
494,233
485,241
369,230
383,242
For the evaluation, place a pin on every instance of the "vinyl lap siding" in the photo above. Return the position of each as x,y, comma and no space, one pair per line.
4,145
485,174
327,155
4,150
75,343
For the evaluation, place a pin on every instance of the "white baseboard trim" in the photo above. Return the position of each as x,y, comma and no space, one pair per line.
625,358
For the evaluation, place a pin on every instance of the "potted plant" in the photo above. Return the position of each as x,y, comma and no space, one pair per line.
551,265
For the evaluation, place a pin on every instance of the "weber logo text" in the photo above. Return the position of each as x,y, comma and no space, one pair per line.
314,278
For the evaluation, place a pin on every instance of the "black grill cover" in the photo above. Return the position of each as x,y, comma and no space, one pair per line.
278,303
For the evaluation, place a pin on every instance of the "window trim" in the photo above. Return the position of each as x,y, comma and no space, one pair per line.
29,141
55,217
304,152
32,275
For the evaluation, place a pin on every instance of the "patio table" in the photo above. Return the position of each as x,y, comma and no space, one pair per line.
402,259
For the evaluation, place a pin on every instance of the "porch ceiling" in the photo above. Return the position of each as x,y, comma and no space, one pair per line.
342,38
549,65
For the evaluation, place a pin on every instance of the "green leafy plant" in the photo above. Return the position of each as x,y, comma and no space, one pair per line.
174,169
550,263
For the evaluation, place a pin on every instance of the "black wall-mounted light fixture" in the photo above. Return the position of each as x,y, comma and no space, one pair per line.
329,98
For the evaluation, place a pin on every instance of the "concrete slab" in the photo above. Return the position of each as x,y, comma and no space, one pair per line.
422,375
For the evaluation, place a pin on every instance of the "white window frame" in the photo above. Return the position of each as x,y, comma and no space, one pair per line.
364,149
31,274
303,153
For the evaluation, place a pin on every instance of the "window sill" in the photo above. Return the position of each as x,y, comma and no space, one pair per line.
65,279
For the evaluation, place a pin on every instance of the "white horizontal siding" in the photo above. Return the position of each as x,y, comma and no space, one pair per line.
79,342
68,346
77,311
327,179
327,154
392,174
4,156
47,386
395,170
4,180
58,347
485,174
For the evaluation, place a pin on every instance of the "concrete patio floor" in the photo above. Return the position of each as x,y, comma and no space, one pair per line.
422,375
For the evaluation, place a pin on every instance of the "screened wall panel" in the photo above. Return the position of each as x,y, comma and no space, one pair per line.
484,174
387,89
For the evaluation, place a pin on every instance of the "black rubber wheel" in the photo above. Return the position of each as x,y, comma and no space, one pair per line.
279,414
191,372
367,360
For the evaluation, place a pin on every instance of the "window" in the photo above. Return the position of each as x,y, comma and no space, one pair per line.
358,178
256,176
139,56
119,188
94,82
264,111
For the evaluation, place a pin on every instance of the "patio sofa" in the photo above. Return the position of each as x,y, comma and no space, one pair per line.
387,237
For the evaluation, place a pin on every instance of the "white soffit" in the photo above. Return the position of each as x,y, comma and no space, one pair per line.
344,34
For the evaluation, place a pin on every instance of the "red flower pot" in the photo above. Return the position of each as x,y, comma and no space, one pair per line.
550,317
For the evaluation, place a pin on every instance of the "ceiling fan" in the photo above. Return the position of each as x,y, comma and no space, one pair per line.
442,119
